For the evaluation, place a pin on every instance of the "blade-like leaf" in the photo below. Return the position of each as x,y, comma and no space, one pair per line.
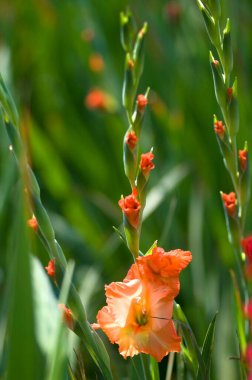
23,354
193,349
208,344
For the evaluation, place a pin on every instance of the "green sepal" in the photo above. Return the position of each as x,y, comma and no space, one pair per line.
227,52
215,8
128,91
127,31
149,252
15,138
132,237
10,110
219,87
226,150
43,219
239,314
233,112
210,24
138,52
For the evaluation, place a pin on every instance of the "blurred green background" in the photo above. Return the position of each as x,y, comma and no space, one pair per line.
52,54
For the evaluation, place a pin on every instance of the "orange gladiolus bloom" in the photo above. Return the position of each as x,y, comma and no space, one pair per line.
138,318
162,268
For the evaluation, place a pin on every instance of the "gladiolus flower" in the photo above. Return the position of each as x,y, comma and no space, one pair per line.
67,315
96,62
219,128
33,223
131,208
230,203
243,155
131,139
142,102
51,268
248,310
162,268
138,318
146,164
96,99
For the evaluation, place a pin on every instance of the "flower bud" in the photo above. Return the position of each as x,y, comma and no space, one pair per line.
131,209
67,315
127,31
51,268
219,87
32,223
128,92
230,202
138,52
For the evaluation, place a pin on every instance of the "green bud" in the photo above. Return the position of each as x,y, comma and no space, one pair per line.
127,31
15,138
8,104
210,23
233,111
43,219
128,92
215,8
34,187
219,87
132,237
138,52
227,52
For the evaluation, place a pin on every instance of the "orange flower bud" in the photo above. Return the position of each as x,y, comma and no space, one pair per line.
51,268
33,223
146,164
142,101
131,140
243,154
230,203
131,208
96,99
96,62
173,11
219,128
67,315
229,93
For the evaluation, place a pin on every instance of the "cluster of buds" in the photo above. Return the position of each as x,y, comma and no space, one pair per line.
136,168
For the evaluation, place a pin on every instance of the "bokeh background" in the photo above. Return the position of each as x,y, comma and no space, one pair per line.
53,55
